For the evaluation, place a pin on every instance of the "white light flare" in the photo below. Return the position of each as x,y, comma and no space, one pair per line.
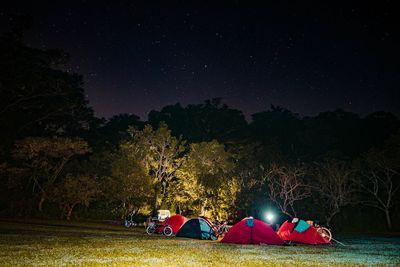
270,216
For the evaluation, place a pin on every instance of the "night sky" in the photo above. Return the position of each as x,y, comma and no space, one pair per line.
308,57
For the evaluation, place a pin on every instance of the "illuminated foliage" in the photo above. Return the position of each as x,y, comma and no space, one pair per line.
73,191
129,185
160,153
212,166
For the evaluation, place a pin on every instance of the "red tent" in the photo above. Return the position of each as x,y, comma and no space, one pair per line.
309,236
252,231
175,221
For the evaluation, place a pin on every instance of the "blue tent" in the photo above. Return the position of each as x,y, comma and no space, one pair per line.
197,228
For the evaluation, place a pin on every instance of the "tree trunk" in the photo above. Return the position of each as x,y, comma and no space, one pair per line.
284,211
388,220
178,209
69,212
293,215
329,217
203,211
328,220
155,198
40,204
63,212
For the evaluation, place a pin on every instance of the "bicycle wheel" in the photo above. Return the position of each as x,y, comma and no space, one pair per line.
325,233
128,223
168,231
150,229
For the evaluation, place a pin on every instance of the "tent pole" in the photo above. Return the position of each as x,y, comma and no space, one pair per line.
338,242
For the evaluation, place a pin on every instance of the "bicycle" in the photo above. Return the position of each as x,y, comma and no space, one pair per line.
129,222
324,232
154,227
222,227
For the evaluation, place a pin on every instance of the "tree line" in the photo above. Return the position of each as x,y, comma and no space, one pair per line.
58,159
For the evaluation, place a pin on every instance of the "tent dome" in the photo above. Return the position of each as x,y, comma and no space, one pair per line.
288,232
176,222
198,228
252,231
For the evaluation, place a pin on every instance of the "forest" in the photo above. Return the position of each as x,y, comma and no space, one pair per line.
58,160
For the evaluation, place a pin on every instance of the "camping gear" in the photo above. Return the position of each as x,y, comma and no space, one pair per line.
221,226
198,228
168,227
302,226
158,227
312,235
129,222
252,231
163,214
176,222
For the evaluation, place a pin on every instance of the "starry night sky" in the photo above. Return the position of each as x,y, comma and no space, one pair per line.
308,57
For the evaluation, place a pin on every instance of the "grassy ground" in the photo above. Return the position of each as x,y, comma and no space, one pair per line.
57,243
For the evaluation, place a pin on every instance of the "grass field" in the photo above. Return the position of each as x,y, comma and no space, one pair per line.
57,243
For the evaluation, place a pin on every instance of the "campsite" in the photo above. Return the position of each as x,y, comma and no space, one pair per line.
92,244
199,133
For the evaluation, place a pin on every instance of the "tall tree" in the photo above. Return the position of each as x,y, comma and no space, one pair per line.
334,182
247,157
44,160
379,127
380,183
286,186
39,96
335,133
212,165
110,133
183,192
128,185
73,191
277,130
160,153
202,122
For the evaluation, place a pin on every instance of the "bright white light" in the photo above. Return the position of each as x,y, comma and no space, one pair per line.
269,216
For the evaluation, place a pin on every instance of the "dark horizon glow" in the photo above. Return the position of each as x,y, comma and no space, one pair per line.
308,58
